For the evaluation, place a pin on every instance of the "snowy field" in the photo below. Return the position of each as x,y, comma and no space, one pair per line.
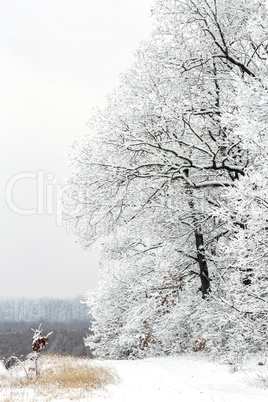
187,378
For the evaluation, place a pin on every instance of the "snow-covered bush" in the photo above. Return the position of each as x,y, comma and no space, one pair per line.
39,343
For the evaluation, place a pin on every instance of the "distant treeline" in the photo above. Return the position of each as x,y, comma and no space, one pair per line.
67,338
43,309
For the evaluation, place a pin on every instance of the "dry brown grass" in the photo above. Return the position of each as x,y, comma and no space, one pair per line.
68,372
59,375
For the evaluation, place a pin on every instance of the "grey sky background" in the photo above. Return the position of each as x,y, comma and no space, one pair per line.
58,59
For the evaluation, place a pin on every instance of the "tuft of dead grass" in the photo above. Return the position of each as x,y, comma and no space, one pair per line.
72,373
61,374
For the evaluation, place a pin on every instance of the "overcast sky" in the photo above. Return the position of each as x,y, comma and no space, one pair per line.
58,60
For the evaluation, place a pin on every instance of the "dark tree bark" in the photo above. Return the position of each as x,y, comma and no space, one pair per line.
200,249
202,262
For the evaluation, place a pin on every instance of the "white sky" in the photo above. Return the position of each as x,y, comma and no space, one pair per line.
58,59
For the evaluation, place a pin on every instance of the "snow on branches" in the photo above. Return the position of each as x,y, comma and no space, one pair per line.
39,342
171,180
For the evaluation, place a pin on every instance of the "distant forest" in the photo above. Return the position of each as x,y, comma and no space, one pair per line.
67,318
67,338
43,309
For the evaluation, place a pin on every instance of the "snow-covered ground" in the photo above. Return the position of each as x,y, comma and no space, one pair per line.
185,378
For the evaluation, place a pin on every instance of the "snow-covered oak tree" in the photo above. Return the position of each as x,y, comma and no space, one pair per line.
156,175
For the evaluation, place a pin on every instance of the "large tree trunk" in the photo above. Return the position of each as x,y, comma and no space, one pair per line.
202,262
200,249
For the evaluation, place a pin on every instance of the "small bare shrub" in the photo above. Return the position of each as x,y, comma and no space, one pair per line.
39,343
10,362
